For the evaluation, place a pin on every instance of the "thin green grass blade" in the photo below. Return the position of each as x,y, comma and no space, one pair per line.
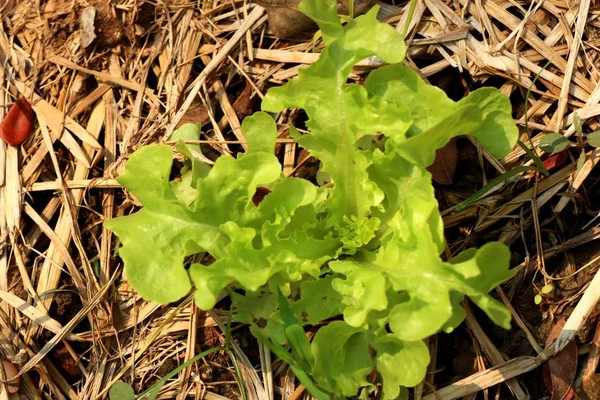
484,190
295,334
530,153
538,162
411,12
238,374
152,391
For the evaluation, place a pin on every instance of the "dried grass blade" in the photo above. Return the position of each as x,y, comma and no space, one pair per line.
580,313
584,7
56,119
155,334
491,376
102,76
96,183
256,13
39,317
68,328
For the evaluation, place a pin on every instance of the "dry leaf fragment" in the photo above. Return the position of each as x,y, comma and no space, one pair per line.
88,34
10,371
6,8
443,168
196,114
560,370
285,20
109,30
244,104
589,384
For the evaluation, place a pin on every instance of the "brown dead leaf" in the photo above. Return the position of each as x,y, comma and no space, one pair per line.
53,9
10,371
6,8
560,370
244,104
589,387
285,20
443,168
196,114
259,195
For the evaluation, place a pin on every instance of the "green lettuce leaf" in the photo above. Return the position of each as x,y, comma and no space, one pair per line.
342,358
332,106
156,239
408,263
317,301
485,114
400,363
396,176
364,243
250,244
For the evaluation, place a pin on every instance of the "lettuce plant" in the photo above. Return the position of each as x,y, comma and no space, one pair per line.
354,258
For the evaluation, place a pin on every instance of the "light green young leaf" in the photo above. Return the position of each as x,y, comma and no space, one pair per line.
121,391
547,288
424,105
497,132
409,263
458,314
171,231
593,138
361,293
251,260
396,176
342,358
577,123
198,169
420,149
400,363
554,143
581,160
260,132
356,232
156,239
257,253
488,268
414,219
324,13
187,132
183,189
254,308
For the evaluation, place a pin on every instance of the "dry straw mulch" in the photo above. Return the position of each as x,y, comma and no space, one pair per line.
105,78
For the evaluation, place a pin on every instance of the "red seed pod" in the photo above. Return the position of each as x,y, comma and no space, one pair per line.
17,124
556,160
